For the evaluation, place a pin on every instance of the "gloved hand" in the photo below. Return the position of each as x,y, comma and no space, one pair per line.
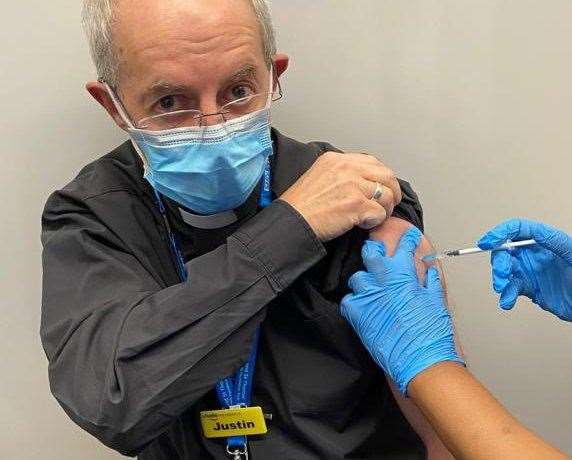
542,273
405,326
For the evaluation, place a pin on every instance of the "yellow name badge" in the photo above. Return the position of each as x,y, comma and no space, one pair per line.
247,421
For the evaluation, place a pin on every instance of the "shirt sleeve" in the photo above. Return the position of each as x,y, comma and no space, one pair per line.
410,208
127,355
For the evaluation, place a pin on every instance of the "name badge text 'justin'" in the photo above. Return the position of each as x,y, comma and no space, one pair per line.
247,421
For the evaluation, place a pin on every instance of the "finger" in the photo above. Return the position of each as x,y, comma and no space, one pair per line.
433,282
373,255
510,294
516,230
361,282
500,234
550,238
377,172
391,182
349,310
521,264
409,243
362,157
365,159
371,215
501,262
345,307
521,229
386,196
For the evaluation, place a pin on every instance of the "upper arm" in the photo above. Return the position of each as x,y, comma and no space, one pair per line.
390,233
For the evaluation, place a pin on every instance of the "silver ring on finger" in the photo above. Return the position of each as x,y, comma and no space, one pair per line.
378,192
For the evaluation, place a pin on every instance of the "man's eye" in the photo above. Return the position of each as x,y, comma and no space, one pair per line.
167,103
240,92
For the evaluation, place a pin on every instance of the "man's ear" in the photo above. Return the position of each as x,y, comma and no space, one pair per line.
100,94
281,62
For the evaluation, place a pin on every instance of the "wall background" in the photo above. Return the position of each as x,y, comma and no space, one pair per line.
468,99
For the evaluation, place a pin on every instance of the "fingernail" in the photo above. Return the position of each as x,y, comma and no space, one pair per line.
370,223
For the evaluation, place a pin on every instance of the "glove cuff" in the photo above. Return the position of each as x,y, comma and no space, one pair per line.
424,359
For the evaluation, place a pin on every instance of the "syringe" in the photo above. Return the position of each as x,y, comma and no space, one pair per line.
465,252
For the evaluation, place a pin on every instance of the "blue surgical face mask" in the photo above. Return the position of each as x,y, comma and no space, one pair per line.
207,169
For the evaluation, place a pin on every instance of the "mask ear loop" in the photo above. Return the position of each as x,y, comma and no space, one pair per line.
123,114
271,87
270,98
118,105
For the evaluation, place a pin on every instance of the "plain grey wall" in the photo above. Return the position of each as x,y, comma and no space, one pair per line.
468,99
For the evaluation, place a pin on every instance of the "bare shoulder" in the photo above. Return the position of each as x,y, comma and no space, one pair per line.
390,233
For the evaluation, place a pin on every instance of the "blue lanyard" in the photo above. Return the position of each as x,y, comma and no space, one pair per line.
232,391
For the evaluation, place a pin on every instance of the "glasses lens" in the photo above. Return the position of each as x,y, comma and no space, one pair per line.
172,120
245,106
193,118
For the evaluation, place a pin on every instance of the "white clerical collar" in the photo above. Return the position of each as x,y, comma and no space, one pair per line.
223,219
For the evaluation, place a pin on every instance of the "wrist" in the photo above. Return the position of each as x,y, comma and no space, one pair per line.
443,370
305,215
426,360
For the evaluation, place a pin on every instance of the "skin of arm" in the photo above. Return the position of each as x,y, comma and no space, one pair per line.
470,421
449,408
390,233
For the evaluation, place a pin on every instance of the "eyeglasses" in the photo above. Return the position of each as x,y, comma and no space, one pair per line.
194,118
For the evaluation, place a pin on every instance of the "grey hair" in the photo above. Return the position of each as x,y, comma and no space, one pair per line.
99,15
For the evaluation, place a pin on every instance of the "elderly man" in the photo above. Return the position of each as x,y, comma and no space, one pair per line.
210,249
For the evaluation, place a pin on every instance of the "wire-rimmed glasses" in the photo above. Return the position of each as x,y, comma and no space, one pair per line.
194,118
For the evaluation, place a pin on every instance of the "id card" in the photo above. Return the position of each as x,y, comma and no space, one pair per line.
247,421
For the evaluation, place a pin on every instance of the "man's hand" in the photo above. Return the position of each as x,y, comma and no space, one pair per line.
336,193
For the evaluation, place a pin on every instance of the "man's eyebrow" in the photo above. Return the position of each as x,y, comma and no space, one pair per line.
164,87
247,71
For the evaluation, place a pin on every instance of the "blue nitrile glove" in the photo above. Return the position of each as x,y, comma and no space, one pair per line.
405,326
542,273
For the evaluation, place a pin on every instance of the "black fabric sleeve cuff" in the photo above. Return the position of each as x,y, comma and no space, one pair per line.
283,242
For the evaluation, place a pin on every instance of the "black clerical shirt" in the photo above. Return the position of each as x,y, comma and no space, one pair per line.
135,353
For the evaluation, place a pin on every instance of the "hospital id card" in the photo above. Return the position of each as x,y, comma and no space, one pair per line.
246,421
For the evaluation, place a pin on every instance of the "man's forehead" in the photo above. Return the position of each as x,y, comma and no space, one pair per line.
172,34
144,18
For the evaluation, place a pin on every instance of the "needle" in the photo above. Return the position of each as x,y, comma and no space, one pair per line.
468,251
